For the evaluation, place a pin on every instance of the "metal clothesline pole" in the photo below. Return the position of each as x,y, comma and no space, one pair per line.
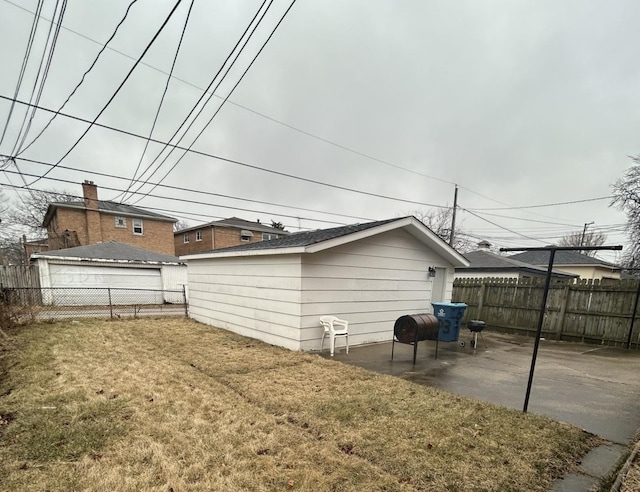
552,252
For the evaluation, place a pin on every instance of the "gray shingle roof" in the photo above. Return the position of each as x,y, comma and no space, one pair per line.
238,224
301,239
488,261
115,209
110,251
561,258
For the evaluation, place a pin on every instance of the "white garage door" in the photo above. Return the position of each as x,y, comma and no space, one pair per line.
87,285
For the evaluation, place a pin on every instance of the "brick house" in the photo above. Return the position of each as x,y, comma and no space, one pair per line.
92,221
222,234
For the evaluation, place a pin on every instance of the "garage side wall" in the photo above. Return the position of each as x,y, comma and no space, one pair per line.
370,283
254,296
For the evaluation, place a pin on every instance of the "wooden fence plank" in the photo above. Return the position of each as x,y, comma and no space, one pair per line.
13,276
583,310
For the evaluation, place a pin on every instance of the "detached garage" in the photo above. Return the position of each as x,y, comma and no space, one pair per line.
67,274
369,274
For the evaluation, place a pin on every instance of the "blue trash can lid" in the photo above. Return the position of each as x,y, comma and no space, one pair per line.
449,304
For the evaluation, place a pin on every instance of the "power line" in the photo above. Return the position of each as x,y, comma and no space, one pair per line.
310,134
235,162
528,220
39,82
258,113
229,94
185,200
191,190
166,21
164,93
550,204
204,93
95,61
23,68
498,225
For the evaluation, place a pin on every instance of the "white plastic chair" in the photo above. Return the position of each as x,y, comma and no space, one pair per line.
334,327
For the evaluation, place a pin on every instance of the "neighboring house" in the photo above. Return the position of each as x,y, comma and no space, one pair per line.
223,234
369,274
572,262
94,221
71,272
34,246
485,264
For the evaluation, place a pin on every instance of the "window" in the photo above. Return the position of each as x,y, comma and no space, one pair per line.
267,235
121,222
246,235
185,238
137,227
198,235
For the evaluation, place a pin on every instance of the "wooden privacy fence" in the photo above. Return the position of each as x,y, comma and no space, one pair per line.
19,276
585,311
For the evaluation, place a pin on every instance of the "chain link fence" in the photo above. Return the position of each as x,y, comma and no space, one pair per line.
26,304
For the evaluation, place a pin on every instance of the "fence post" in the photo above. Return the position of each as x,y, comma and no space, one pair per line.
483,288
184,299
633,316
110,304
564,299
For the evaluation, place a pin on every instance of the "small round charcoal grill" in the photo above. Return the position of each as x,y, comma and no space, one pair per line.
475,327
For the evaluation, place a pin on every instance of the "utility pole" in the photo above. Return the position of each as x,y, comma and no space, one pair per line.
584,232
453,216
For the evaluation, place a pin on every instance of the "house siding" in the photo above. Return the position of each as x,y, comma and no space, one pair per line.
278,298
593,272
370,283
257,297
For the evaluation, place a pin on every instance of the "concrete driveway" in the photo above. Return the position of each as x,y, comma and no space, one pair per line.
596,388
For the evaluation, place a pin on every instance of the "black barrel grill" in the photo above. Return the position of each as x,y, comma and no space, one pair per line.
414,328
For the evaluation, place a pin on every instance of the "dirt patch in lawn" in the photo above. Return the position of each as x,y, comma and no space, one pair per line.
174,405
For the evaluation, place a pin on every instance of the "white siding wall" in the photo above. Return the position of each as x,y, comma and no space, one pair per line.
83,283
174,277
255,296
370,283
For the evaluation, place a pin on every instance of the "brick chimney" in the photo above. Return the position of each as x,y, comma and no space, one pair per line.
90,193
92,215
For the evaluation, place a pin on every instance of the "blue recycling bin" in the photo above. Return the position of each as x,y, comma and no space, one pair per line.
449,316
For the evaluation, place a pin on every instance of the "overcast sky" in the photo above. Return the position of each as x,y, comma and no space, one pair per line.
520,103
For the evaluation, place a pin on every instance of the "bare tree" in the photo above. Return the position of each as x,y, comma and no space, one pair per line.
439,221
10,246
277,225
28,212
180,225
626,197
588,239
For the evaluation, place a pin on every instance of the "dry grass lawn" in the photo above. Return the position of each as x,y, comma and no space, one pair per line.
172,405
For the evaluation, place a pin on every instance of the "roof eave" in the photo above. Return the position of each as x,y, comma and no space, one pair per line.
80,206
249,252
38,256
